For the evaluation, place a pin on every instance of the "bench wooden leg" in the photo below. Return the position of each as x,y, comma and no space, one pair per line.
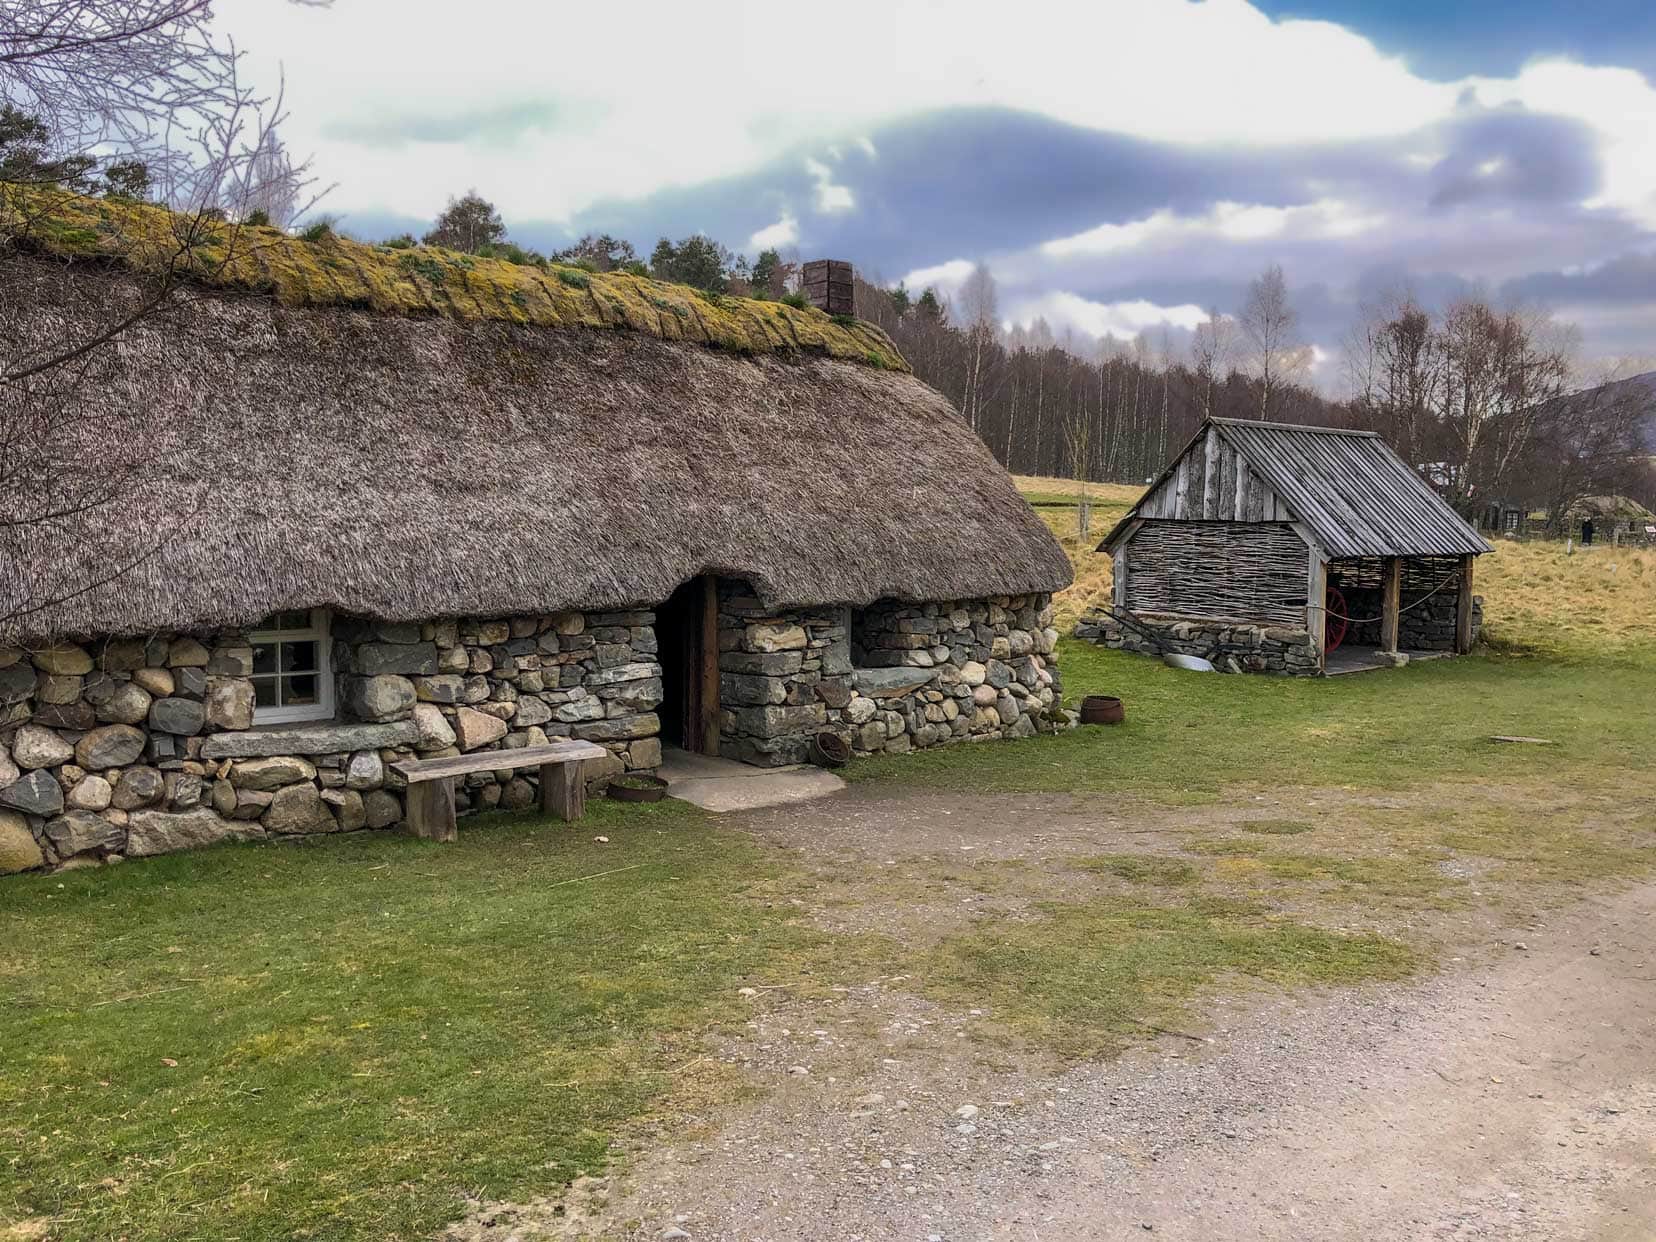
563,790
431,809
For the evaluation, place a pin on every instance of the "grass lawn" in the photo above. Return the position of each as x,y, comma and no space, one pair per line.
340,1039
331,1041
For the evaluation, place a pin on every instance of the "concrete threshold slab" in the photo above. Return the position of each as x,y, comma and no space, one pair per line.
725,785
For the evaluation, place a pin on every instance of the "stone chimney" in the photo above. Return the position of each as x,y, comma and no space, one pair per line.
827,282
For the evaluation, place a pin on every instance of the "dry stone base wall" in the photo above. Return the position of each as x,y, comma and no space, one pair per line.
1426,624
1254,648
139,746
888,678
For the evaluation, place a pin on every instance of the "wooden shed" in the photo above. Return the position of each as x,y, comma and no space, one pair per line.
1279,548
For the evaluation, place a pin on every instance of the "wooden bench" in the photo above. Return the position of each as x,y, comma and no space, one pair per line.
431,782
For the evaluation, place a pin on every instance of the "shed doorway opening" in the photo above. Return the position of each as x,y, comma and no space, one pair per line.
687,641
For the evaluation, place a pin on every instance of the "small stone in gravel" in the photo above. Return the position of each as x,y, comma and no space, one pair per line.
798,1070
966,1111
673,1231
869,1100
1519,944
965,1127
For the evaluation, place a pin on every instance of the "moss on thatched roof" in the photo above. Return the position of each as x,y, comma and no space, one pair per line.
268,457
425,280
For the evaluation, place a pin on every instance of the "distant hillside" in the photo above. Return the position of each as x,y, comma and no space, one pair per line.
1644,388
1647,381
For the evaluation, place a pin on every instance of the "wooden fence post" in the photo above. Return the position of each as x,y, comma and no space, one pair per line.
1463,607
1391,582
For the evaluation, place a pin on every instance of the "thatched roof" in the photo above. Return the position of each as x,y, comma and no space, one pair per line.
421,280
411,467
1622,507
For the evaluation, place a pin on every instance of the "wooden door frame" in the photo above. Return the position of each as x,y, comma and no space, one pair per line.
700,653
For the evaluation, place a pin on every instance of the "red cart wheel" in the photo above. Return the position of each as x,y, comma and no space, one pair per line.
1334,623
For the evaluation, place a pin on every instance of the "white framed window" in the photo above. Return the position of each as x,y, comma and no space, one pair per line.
292,668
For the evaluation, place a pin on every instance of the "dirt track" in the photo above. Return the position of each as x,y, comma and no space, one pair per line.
1511,1096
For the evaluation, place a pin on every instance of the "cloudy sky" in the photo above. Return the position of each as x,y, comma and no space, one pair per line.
1119,164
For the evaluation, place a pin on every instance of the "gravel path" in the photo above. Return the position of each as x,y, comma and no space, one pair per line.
1512,1097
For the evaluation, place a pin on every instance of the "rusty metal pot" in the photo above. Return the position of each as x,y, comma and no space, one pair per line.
1102,709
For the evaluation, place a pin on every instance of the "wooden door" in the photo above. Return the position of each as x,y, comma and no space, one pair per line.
687,633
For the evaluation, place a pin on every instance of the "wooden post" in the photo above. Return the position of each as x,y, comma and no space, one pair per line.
1463,607
563,790
1316,610
431,809
706,665
1391,585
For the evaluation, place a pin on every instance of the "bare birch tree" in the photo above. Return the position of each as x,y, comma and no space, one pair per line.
1271,325
1211,349
146,88
979,301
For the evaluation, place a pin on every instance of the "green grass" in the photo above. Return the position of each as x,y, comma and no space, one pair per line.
365,1028
1276,827
1141,869
1087,979
1192,736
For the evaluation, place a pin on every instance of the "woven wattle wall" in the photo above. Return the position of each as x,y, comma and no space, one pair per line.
1243,571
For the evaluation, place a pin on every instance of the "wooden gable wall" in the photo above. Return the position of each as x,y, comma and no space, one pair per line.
1212,482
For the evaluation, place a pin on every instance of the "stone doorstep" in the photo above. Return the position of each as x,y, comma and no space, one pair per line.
317,739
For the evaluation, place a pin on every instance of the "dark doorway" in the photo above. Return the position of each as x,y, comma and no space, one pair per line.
687,628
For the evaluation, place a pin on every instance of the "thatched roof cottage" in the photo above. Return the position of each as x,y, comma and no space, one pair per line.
367,504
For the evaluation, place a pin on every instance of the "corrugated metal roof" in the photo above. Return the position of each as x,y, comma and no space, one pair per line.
1352,491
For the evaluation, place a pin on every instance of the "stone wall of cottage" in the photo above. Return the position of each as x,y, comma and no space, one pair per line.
1249,648
139,746
887,678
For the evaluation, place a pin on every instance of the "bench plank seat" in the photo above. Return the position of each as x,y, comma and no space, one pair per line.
416,770
431,782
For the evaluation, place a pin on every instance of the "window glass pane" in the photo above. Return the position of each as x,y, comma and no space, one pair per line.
299,657
301,690
264,693
264,658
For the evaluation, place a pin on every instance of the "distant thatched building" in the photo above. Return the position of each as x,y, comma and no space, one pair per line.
1611,520
399,503
1268,544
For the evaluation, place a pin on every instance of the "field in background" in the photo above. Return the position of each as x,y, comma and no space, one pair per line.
1058,503
1538,597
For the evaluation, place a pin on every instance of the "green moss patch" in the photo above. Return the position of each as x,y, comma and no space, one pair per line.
328,270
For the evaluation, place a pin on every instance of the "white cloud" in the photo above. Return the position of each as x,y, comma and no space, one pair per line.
1162,70
1121,320
1237,222
785,232
1619,103
829,197
946,278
